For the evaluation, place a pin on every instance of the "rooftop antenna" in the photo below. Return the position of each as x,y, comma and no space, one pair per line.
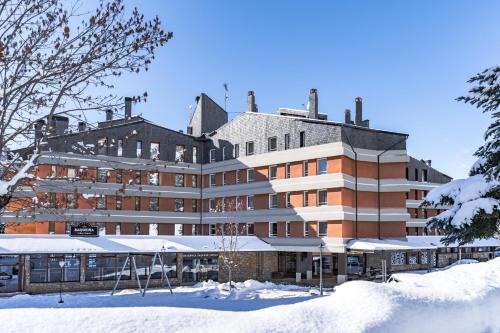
226,96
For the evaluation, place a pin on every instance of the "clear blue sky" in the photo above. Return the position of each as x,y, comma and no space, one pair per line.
408,61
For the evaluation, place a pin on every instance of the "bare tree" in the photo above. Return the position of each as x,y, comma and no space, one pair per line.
53,57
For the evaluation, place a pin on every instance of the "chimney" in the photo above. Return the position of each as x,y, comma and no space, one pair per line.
251,106
109,115
429,163
359,111
82,126
57,125
347,115
313,104
190,130
128,107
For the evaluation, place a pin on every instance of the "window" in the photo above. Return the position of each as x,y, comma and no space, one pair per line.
179,180
179,205
424,258
137,203
322,228
195,153
287,141
398,258
194,181
138,149
212,180
287,200
118,202
71,173
70,200
154,151
407,174
250,229
288,229
119,148
287,170
45,268
416,174
100,202
273,229
272,144
153,231
211,205
118,228
212,229
119,176
223,178
237,176
273,201
103,267
250,202
53,200
154,178
305,168
223,153
102,146
212,155
194,205
153,204
302,142
321,166
306,229
137,228
102,175
322,197
250,175
306,199
138,177
249,148
179,153
236,150
424,175
273,172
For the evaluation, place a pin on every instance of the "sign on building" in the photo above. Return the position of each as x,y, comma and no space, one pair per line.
84,230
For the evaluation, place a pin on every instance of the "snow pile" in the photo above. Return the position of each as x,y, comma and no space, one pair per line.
467,198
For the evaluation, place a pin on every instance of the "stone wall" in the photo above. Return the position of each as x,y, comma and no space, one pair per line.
251,265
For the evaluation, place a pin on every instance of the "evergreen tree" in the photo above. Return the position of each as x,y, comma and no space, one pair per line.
475,201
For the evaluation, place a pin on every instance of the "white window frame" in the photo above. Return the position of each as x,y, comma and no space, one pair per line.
247,150
317,197
210,176
288,229
287,170
252,171
269,140
271,195
317,166
287,200
211,155
271,224
275,167
211,202
318,228
252,207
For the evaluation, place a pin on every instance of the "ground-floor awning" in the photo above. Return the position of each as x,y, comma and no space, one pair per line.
371,245
27,244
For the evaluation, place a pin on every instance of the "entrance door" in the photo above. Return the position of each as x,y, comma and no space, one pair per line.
9,274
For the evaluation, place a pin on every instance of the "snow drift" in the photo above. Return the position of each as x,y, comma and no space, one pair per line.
464,298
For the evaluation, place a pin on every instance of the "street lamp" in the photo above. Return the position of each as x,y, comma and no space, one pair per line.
61,264
321,246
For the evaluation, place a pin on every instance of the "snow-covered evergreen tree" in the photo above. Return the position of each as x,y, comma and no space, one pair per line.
475,201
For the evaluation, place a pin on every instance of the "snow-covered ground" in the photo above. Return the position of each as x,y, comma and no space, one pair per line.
464,298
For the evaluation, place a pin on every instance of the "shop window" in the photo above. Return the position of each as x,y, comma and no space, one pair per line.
45,268
102,175
154,178
273,229
322,197
200,267
249,148
179,205
398,258
273,172
272,144
273,201
179,180
153,204
321,166
105,267
154,151
144,268
250,175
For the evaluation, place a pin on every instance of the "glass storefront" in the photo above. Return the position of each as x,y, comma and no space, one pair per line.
144,262
45,268
200,267
9,274
104,267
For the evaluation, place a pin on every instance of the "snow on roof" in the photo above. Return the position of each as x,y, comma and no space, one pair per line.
436,240
18,244
388,244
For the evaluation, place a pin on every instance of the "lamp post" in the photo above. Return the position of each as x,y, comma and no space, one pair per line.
61,264
321,269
